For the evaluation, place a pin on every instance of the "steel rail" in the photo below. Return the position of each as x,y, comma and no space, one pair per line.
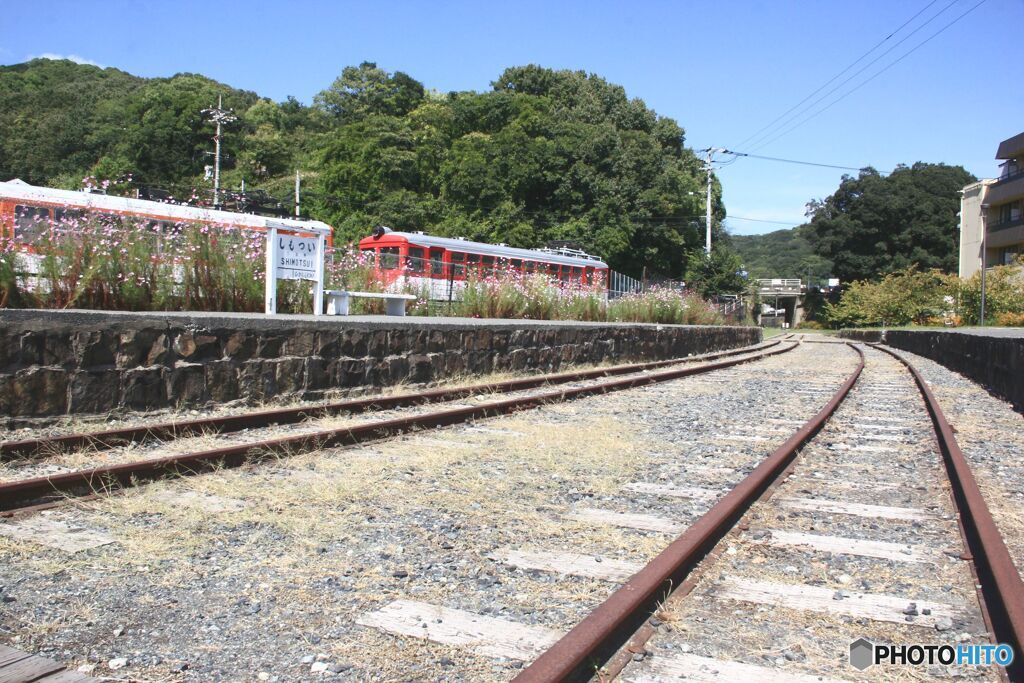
582,651
19,494
45,446
1001,583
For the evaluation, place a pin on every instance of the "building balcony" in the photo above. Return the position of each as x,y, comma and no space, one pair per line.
1005,234
1005,190
1019,173
1005,225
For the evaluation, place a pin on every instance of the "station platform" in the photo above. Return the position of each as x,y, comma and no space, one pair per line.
68,361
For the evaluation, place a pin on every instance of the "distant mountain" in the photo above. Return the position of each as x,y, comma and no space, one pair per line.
781,254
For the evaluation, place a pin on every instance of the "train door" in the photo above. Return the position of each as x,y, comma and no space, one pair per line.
438,282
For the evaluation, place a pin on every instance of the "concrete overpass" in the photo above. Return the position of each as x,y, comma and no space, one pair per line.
784,295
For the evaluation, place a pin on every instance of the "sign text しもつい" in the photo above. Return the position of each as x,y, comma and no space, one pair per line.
297,257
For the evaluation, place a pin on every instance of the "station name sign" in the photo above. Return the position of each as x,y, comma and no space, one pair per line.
297,257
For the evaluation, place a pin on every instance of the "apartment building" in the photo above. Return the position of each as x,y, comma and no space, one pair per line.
992,213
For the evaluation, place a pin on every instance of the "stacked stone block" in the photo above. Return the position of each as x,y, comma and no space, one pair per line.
62,362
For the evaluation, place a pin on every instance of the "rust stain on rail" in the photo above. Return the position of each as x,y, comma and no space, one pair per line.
1001,584
582,651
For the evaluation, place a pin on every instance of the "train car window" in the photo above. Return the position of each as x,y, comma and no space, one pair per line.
108,218
531,267
415,262
457,259
63,216
516,264
30,222
577,272
437,262
488,262
566,271
388,258
472,264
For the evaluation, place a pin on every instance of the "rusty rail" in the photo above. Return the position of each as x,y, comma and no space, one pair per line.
166,431
1001,583
582,651
20,494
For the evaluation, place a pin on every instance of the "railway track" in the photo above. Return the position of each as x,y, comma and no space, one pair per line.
28,493
878,449
485,555
871,454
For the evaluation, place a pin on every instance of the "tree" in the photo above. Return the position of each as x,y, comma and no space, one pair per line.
544,155
366,90
720,273
874,224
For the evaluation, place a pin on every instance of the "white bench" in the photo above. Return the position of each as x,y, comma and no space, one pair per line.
338,300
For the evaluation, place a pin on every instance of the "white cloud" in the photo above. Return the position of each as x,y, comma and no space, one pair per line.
74,58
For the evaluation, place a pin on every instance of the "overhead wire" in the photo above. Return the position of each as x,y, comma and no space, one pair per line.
759,142
872,77
828,82
802,163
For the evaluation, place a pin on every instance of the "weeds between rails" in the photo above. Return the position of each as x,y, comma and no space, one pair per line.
167,431
31,492
618,626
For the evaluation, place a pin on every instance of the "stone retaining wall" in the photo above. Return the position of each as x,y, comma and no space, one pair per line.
62,362
996,360
870,336
997,363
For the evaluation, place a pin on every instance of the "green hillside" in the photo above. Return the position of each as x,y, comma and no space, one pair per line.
543,155
781,254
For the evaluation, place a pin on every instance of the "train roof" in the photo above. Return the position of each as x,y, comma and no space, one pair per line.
454,244
22,191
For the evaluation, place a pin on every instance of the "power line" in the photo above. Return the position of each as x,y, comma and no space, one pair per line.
759,142
761,220
802,163
850,66
872,77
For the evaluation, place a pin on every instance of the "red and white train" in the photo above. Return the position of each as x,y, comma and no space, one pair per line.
26,211
439,264
443,264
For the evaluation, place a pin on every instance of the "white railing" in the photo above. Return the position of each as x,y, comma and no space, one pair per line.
780,285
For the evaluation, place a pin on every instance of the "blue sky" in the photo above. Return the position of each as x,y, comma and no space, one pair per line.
722,68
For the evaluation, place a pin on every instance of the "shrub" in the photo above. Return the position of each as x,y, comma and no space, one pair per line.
1010,319
901,298
1004,293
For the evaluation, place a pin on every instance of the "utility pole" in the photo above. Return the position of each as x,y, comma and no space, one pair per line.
707,218
220,116
984,258
297,182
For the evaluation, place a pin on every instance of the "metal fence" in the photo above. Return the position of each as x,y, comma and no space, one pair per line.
620,285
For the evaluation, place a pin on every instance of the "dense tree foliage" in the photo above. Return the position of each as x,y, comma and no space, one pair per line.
781,254
874,224
544,155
